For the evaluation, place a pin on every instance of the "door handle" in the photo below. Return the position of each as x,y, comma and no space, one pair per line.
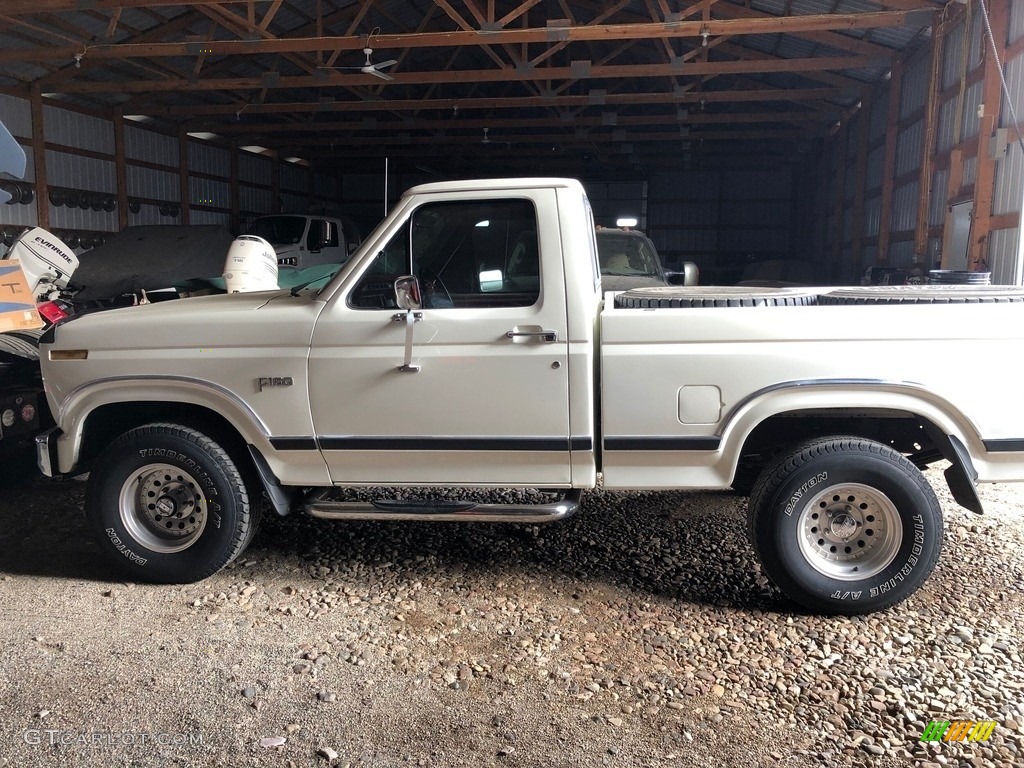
545,336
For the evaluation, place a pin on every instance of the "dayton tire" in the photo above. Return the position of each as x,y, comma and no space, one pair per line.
168,504
845,525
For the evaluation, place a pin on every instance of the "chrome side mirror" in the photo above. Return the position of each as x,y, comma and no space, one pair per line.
407,293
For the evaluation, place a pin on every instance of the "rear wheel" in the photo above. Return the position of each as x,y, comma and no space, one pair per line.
168,504
845,525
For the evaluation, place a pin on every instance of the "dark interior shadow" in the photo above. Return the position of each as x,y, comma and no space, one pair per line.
689,546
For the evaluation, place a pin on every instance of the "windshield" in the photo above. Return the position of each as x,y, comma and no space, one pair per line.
622,254
279,230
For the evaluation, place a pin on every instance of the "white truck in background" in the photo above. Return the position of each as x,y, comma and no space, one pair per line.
307,240
468,344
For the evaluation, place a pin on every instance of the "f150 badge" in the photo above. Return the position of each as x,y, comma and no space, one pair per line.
273,381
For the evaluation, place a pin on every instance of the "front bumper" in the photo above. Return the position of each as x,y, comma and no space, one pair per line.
46,451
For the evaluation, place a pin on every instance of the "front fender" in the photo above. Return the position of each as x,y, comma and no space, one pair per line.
74,411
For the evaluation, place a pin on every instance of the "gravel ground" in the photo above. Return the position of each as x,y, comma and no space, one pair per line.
640,633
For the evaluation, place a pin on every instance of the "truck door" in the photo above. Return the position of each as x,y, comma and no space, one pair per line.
484,398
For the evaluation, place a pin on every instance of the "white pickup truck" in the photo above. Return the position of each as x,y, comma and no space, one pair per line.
468,344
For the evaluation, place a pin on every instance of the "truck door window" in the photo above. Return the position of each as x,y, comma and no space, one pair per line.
279,230
473,253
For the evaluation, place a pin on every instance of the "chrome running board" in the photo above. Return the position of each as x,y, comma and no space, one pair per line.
440,510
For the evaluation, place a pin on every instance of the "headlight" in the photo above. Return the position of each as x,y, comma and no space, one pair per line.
8,417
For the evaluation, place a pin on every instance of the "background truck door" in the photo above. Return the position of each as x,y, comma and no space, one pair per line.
486,399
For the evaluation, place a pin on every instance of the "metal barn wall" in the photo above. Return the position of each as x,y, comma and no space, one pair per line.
723,220
223,184
897,219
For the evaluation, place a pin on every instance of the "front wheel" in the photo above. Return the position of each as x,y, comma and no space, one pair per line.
168,504
845,525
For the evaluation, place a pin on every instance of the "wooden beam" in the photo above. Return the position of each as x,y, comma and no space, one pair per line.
515,102
860,183
121,173
380,126
984,182
233,188
840,203
184,189
323,79
889,165
931,119
953,185
756,25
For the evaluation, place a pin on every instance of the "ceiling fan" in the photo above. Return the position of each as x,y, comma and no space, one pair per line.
369,68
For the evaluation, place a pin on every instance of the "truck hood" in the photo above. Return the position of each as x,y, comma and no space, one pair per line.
225,320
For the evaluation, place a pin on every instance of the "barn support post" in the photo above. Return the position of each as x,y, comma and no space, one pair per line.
39,157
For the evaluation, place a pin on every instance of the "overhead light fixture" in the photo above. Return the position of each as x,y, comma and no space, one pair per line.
626,221
704,35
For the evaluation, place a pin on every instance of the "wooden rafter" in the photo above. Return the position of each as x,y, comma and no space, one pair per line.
758,25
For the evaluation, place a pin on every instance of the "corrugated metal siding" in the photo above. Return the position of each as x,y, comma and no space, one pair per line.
20,215
904,207
937,208
325,186
875,168
148,214
698,185
972,99
872,216
255,200
908,148
978,39
153,184
292,203
901,254
849,185
946,126
879,114
255,169
73,129
149,146
209,192
952,56
295,179
682,214
1002,256
206,158
79,172
754,185
687,240
870,255
209,217
753,241
914,90
1015,84
88,219
1016,30
363,186
970,170
17,115
1009,186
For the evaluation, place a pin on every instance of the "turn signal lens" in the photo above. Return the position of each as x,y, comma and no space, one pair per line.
28,412
7,418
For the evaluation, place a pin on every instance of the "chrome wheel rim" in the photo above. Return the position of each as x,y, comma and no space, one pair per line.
163,508
849,531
